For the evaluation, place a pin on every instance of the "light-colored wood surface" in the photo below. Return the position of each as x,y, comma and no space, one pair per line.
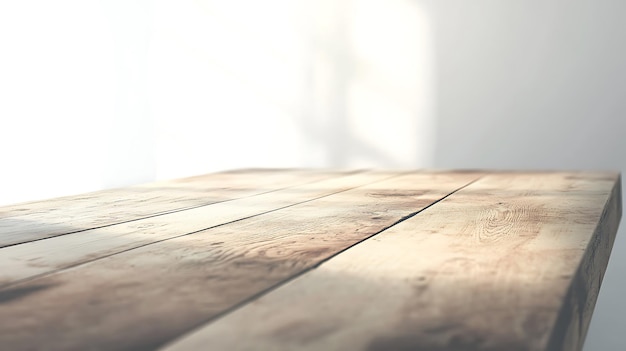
368,261
488,268
37,258
145,297
43,219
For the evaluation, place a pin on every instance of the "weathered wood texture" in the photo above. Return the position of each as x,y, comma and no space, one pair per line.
141,298
511,262
41,219
33,259
266,260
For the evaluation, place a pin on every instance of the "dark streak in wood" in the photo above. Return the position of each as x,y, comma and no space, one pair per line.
143,298
489,268
512,262
17,293
38,220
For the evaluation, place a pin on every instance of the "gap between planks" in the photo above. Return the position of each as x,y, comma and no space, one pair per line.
298,275
148,296
28,222
39,258
405,290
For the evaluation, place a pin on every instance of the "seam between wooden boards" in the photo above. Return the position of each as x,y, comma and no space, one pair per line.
51,272
339,175
307,308
175,181
256,296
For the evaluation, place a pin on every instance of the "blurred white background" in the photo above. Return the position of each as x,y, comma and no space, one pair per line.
99,94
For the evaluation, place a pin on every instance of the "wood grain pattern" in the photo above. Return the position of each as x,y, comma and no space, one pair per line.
512,262
33,259
575,315
41,219
140,299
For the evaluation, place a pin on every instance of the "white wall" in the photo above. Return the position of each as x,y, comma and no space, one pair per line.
96,94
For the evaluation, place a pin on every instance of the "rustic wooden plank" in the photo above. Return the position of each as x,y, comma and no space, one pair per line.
142,298
574,317
512,262
43,219
33,259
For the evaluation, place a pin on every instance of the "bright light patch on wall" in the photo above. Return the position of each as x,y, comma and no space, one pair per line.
225,85
56,93
290,84
390,101
97,94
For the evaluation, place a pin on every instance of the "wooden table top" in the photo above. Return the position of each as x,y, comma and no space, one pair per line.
311,260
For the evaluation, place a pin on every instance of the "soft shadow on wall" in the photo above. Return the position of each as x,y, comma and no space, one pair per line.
100,94
291,83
